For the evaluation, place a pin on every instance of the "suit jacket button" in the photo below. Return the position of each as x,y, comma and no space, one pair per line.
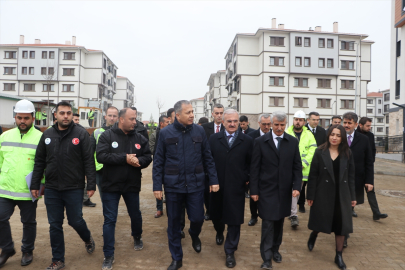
326,180
324,168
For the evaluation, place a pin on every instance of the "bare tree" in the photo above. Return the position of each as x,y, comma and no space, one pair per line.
49,77
160,103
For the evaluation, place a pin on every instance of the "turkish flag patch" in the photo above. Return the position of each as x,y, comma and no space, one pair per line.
75,141
137,146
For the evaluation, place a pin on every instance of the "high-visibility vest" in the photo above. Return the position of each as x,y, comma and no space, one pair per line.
38,116
97,134
90,115
44,115
16,162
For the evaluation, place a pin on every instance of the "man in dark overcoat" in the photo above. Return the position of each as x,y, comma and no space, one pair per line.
276,170
232,153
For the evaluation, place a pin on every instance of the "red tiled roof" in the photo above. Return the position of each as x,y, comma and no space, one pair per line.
374,94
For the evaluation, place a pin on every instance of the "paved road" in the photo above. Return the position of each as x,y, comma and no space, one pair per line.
373,245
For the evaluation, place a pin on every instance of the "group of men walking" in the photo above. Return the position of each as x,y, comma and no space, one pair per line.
213,164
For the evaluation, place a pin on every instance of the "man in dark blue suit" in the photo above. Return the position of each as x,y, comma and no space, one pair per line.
181,160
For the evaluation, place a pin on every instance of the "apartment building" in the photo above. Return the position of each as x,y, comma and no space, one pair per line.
198,107
216,88
124,96
69,72
289,70
375,112
207,106
397,79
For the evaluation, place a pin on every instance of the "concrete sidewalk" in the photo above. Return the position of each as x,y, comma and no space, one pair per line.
389,167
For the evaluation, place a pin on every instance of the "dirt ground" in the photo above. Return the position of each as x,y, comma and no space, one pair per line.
373,245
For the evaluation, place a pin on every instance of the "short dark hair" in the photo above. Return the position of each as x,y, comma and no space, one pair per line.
112,107
203,120
313,113
351,116
169,112
123,112
336,116
364,120
76,114
133,108
63,103
243,118
162,118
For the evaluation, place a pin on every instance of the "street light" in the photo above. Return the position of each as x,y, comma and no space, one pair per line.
403,129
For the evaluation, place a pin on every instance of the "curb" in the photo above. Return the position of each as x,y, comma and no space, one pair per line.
389,173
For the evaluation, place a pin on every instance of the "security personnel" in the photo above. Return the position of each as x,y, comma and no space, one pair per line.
18,147
38,117
307,146
90,117
44,117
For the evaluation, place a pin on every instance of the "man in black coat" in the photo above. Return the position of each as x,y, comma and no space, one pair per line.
264,127
232,152
123,153
244,125
139,126
276,170
212,128
365,129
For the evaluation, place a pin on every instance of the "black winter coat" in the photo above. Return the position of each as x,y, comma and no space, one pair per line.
321,189
67,160
371,140
274,175
247,131
141,129
232,165
112,149
320,134
209,128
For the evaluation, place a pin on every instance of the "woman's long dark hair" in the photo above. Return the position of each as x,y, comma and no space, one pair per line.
343,146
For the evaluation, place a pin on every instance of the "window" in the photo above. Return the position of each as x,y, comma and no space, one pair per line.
29,87
386,108
10,55
307,42
380,129
298,41
324,123
68,88
387,97
330,43
301,82
51,55
103,78
24,70
346,104
115,71
397,89
379,101
31,71
351,46
379,111
68,72
45,87
43,71
104,63
300,102
387,119
387,129
276,101
25,54
307,61
347,84
380,120
276,81
321,43
9,70
44,55
370,101
69,56
323,103
276,41
398,48
276,61
347,45
330,63
32,55
369,110
347,64
324,83
298,61
9,86
51,71
321,62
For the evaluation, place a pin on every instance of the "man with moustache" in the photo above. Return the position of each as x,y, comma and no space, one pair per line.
232,153
275,177
17,152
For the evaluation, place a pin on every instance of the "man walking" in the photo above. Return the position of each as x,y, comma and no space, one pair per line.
179,164
276,169
264,128
140,127
244,125
65,152
232,153
307,145
17,152
123,153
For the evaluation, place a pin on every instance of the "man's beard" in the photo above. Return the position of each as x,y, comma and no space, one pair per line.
25,129
297,128
63,125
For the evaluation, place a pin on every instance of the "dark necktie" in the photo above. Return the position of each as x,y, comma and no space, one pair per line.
313,131
217,129
229,137
279,142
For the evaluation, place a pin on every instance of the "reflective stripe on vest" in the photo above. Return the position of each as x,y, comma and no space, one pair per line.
22,145
15,194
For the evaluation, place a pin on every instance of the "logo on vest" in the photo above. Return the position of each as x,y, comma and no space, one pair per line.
75,141
137,146
114,144
47,140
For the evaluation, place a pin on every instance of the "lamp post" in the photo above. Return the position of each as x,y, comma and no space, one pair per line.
403,130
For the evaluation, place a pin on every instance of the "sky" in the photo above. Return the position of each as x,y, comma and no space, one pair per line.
168,49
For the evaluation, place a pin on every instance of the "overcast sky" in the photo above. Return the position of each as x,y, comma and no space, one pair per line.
168,49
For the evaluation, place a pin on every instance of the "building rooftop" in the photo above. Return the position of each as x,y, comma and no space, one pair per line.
201,98
8,96
374,94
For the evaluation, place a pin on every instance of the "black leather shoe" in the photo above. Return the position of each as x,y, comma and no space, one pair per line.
379,216
207,216
183,235
277,257
89,203
196,243
27,258
311,240
230,261
252,222
4,257
301,208
339,261
354,213
219,239
266,265
175,265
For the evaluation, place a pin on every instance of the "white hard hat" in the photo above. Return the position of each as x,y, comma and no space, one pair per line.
24,106
300,114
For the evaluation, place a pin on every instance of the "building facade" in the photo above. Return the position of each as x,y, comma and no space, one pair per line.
216,88
375,111
207,106
198,107
124,96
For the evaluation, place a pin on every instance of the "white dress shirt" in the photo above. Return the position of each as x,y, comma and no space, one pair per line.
261,132
313,130
275,136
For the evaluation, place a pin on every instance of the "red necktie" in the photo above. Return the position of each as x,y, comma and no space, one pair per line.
217,129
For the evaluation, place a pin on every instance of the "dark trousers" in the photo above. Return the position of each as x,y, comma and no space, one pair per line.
159,205
28,210
232,236
207,194
253,208
301,200
99,179
110,211
372,200
44,121
56,202
272,236
195,210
